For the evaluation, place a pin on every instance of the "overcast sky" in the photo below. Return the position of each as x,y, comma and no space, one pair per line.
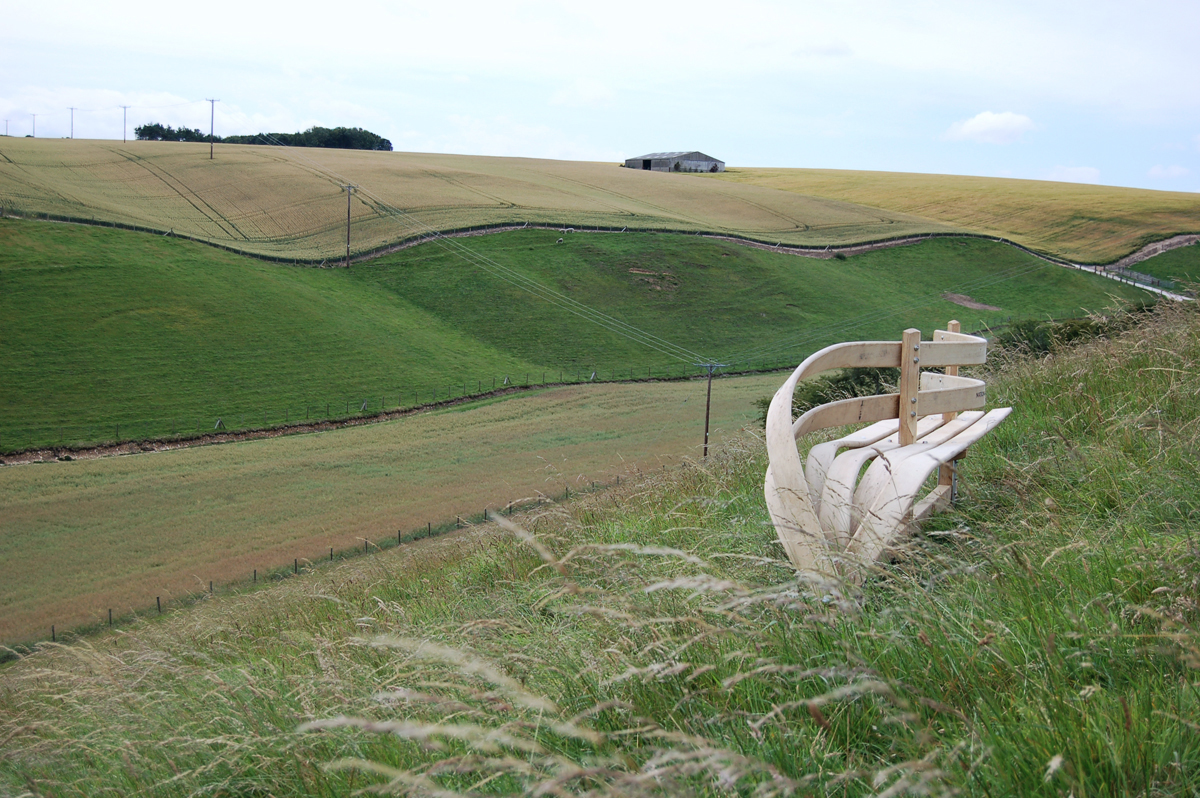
1095,91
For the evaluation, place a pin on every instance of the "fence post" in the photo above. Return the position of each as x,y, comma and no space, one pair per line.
158,601
296,566
110,616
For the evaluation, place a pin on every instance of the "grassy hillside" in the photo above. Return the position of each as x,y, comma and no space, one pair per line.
1179,265
289,202
1083,223
124,530
1040,640
110,334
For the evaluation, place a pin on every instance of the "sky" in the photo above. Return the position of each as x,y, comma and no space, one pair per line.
1091,92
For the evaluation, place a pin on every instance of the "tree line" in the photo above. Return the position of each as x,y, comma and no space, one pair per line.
343,138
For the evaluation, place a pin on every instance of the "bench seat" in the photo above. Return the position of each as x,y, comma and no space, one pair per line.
839,512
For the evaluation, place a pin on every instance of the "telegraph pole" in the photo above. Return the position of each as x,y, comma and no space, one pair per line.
6,127
34,125
212,116
124,123
708,402
349,193
73,110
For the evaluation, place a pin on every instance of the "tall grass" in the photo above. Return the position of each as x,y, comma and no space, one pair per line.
1038,640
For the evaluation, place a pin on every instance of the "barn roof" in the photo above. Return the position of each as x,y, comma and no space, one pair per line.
698,156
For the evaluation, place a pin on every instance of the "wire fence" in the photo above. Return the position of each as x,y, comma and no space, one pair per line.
75,434
307,563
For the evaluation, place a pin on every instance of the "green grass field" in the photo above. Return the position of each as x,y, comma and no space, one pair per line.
110,334
1039,640
79,538
1178,265
1083,223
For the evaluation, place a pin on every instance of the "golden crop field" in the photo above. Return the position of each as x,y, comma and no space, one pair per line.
288,202
283,201
80,537
1084,223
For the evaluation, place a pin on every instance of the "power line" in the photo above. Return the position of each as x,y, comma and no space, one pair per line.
512,276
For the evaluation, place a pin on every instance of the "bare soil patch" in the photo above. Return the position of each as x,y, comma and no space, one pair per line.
967,302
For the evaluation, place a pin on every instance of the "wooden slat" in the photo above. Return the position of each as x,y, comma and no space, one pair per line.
943,393
859,410
947,471
937,354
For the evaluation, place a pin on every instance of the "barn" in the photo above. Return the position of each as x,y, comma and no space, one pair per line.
676,162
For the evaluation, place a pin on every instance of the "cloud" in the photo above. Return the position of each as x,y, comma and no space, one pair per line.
1074,174
1171,172
583,93
990,128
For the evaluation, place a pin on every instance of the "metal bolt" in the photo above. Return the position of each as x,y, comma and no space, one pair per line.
916,360
913,414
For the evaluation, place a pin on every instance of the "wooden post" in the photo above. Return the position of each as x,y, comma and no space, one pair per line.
910,383
948,472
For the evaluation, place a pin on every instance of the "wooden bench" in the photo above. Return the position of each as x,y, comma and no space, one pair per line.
834,524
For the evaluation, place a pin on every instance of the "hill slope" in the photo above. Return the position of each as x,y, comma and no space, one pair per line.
288,203
1039,641
100,328
1082,223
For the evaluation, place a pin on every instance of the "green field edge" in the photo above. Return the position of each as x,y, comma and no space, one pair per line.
306,427
828,251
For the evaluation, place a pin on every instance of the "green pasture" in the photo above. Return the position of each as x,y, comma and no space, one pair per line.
1178,265
110,334
78,538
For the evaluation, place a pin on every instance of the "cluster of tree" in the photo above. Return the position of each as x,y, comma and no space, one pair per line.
342,138
157,132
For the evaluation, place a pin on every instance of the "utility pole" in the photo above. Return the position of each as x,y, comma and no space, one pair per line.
212,116
124,123
34,125
708,402
73,110
349,187
5,127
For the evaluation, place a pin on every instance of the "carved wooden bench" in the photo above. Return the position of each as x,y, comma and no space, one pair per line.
834,524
